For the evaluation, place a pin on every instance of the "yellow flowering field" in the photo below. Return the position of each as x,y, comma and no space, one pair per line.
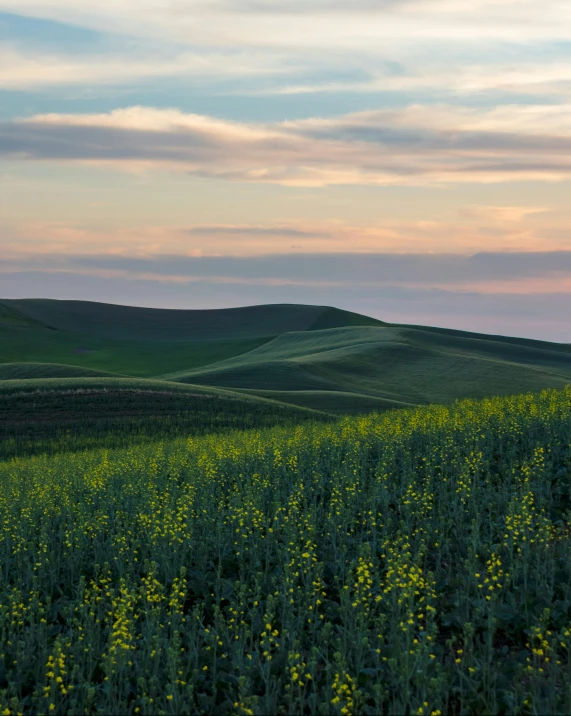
412,562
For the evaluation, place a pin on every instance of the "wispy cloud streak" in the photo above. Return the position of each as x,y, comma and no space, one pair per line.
541,272
401,147
320,23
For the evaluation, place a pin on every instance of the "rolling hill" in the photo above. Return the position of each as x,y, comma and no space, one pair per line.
146,342
391,366
107,321
308,356
44,413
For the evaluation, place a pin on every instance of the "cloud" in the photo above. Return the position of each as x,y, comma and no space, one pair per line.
317,7
485,272
248,231
29,69
414,146
267,72
451,235
404,270
495,81
501,213
320,24
292,47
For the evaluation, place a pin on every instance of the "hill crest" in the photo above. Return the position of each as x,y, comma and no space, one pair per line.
105,320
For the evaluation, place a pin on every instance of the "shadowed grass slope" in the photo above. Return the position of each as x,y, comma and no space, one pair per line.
73,413
126,357
147,342
331,401
25,371
10,316
108,321
392,365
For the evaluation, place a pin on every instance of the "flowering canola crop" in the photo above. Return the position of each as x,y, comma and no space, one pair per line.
409,562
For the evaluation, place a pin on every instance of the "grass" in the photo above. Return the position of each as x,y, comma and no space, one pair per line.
388,366
127,357
54,415
11,316
24,371
144,342
414,561
334,402
107,321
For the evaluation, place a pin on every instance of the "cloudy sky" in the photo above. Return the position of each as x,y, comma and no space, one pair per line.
409,159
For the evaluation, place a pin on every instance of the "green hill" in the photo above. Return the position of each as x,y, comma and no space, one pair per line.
146,342
10,316
331,401
24,371
123,356
388,366
64,413
103,320
310,356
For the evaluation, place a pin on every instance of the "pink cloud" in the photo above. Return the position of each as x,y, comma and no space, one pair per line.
417,146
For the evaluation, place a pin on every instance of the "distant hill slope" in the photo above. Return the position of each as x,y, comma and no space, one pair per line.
12,317
388,366
147,342
103,320
25,371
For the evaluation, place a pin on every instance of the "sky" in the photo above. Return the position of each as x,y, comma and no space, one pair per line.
407,159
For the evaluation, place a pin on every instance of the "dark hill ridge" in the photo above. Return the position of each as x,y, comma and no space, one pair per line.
104,320
12,317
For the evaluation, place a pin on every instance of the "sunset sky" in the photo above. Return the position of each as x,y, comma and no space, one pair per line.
408,159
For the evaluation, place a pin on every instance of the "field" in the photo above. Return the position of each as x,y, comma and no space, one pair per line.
414,561
50,415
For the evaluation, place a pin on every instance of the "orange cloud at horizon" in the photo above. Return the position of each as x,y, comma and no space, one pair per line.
478,229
